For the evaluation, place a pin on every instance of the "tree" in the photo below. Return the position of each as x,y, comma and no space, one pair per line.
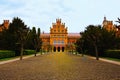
36,40
92,35
79,46
108,40
19,31
118,20
95,40
29,42
118,33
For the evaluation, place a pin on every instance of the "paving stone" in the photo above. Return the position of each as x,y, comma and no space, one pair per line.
59,66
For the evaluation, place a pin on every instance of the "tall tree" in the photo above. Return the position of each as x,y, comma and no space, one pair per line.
96,39
79,45
92,35
118,33
19,31
36,40
118,20
107,41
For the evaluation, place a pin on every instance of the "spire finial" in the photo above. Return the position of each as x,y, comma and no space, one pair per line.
105,18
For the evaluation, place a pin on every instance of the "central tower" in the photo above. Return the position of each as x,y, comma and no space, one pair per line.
58,36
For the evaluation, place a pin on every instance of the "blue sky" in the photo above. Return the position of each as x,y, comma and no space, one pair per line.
76,14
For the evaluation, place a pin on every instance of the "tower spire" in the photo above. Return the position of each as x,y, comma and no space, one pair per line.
105,18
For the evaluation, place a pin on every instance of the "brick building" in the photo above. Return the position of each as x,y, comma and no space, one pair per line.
108,25
4,25
59,40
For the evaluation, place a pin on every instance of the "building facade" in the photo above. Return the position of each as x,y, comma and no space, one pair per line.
108,25
59,40
4,25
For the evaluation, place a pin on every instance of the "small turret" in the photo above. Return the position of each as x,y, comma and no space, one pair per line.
105,18
6,23
58,20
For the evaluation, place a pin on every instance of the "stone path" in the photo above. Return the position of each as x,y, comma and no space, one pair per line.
59,66
105,60
16,59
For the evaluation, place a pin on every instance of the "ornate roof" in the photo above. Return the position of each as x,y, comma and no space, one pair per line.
45,35
73,35
70,35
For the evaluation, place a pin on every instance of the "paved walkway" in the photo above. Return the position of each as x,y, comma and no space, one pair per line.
16,59
105,60
59,66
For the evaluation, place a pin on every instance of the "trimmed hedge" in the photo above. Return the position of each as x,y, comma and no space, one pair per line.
6,54
113,53
28,52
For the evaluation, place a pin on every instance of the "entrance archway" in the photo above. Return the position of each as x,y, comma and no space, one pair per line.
58,49
54,49
63,49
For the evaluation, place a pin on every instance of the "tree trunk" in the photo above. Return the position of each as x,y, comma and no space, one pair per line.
82,52
96,52
41,51
35,51
21,53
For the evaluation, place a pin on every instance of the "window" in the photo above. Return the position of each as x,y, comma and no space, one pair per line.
54,42
62,42
58,42
54,30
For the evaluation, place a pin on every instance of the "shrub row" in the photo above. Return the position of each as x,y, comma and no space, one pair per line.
6,54
113,54
28,52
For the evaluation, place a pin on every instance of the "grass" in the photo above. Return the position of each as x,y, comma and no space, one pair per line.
5,59
8,55
114,50
113,59
108,58
29,52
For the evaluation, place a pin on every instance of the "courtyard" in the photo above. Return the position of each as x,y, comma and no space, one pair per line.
59,66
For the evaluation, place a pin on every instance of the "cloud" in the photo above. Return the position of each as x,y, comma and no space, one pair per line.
77,14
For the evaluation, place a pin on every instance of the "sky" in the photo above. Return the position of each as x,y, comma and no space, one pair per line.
76,14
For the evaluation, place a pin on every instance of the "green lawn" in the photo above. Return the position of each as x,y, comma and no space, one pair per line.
113,59
5,59
8,55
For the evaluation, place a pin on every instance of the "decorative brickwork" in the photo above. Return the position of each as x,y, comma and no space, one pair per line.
4,25
59,40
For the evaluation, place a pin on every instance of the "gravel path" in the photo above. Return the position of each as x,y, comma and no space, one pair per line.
59,66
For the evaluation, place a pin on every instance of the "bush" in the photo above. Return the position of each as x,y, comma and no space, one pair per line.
28,52
17,52
6,54
113,53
